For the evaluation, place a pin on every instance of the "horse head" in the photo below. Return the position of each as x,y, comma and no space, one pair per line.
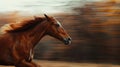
56,30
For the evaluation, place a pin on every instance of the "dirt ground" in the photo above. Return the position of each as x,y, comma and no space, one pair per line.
69,64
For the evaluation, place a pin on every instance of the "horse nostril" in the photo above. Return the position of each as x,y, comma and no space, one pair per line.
69,39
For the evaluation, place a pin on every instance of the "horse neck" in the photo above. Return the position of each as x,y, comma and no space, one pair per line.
36,34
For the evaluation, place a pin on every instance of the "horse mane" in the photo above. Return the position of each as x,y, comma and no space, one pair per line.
21,26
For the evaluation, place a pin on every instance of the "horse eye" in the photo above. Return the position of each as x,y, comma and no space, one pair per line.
57,25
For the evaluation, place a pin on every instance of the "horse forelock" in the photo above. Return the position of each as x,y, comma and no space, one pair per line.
21,26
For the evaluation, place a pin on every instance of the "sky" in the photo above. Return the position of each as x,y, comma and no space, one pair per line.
40,6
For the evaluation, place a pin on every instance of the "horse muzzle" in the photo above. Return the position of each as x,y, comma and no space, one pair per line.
67,41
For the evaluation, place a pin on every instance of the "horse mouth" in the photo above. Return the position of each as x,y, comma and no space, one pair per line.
67,41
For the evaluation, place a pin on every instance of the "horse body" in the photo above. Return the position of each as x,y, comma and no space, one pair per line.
17,44
5,50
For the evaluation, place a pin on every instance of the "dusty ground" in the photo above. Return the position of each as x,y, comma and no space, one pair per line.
69,64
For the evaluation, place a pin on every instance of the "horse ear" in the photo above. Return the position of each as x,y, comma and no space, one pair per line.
35,17
46,16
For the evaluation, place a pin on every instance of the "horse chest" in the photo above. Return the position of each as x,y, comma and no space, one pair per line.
28,55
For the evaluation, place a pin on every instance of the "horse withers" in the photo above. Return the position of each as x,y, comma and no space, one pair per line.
17,40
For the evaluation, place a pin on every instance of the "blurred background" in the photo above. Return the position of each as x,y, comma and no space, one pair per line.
94,26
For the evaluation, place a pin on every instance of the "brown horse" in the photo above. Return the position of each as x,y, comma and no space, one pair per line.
17,40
